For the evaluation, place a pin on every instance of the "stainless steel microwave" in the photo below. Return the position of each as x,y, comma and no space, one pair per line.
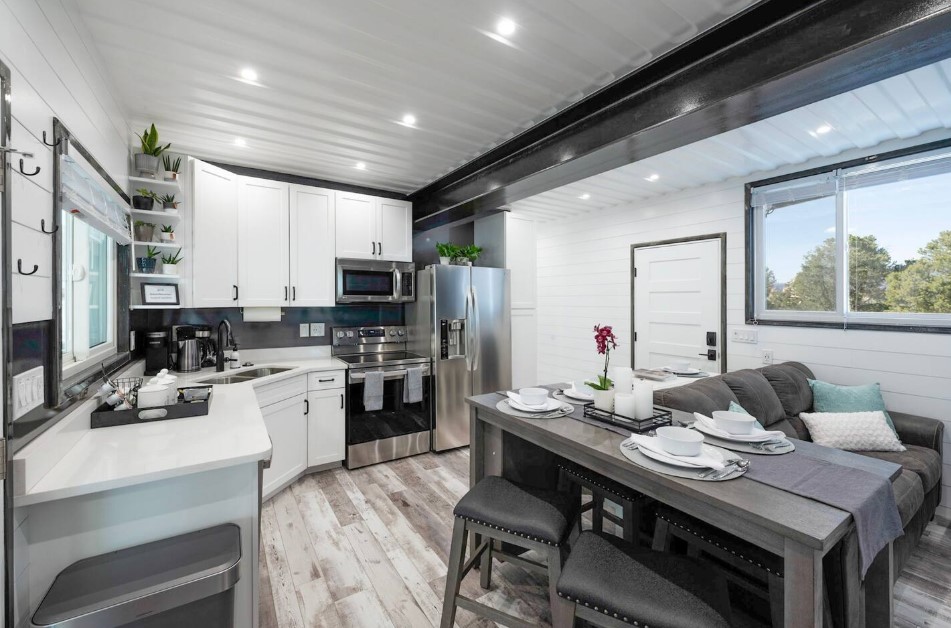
375,281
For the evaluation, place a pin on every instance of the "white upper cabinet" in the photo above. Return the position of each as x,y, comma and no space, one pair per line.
356,226
263,227
312,246
215,236
369,227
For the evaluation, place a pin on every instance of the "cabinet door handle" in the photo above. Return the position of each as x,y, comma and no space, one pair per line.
235,292
341,401
306,407
374,247
380,246
294,293
285,293
323,381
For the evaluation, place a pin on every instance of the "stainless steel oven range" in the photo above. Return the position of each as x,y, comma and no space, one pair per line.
398,425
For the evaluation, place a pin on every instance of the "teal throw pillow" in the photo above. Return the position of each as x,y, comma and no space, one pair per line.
828,397
735,407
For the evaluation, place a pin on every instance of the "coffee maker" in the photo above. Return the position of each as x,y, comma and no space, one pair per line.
156,352
186,352
206,346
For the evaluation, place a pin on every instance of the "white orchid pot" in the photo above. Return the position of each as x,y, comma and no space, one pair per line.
604,400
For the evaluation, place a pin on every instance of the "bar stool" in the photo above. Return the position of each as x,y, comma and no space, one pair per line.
498,510
604,489
750,567
614,584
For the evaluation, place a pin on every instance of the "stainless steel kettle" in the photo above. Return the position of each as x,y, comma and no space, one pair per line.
189,355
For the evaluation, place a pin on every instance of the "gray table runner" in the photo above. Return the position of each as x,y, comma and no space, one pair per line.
868,497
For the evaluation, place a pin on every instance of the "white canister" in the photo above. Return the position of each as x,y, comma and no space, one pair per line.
643,400
171,383
624,405
623,377
152,396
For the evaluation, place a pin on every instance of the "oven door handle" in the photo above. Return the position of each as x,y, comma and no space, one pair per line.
360,376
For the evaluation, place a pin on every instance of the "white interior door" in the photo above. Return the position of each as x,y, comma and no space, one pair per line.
263,263
312,247
677,302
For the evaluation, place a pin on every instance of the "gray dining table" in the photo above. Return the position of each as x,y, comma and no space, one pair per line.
799,529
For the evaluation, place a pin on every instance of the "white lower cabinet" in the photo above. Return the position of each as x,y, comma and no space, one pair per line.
287,426
326,427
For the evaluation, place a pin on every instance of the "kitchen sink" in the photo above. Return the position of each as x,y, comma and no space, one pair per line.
245,376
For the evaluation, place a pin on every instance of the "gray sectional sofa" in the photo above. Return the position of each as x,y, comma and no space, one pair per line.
777,394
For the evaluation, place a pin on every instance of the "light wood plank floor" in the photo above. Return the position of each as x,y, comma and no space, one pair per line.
368,548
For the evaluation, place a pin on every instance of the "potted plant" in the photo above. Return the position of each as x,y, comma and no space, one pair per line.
468,254
604,340
168,233
147,161
143,199
172,167
144,231
447,251
168,201
170,263
147,264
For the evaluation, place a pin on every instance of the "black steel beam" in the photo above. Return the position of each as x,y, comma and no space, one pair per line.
774,57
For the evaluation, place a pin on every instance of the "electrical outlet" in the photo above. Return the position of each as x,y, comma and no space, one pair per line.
304,330
746,335
317,329
28,391
767,356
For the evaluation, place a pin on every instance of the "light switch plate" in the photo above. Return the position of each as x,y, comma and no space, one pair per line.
317,329
746,335
28,391
304,330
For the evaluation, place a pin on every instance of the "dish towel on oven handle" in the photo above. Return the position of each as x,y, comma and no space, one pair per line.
373,391
413,385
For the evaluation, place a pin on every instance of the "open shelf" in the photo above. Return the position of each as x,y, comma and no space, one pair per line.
156,185
171,278
159,245
157,216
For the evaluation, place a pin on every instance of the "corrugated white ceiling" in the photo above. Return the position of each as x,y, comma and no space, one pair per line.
901,107
336,76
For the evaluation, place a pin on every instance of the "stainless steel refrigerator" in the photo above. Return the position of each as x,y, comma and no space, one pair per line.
461,319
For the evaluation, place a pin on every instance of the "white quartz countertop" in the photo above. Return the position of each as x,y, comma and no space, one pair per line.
232,433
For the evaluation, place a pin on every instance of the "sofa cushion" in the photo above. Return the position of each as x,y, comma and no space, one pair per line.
923,461
705,396
828,397
753,392
908,495
791,386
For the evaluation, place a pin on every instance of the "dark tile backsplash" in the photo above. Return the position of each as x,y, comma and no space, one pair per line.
285,333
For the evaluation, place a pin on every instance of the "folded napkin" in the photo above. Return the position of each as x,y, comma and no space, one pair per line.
649,442
517,398
755,436
413,385
373,391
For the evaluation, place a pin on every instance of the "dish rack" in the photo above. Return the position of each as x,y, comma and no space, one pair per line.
660,418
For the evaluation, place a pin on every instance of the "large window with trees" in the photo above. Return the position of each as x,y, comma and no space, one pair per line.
860,245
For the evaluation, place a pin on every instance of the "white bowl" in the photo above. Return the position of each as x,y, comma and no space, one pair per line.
680,365
533,396
734,422
680,441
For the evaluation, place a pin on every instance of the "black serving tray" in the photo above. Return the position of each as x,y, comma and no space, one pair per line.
105,416
660,418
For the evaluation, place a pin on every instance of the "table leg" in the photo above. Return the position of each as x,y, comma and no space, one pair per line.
879,596
803,584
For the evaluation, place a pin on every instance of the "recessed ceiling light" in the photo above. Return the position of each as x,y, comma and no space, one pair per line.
249,74
652,178
409,120
240,141
585,196
825,128
360,166
505,27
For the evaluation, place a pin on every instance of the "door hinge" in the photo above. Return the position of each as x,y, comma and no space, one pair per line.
635,271
635,336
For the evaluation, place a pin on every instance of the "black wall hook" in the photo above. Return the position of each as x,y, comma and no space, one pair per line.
54,144
43,227
29,174
20,268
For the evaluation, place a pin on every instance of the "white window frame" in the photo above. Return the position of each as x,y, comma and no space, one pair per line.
75,362
841,317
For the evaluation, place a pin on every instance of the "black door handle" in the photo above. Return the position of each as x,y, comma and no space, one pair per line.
341,401
711,354
285,293
306,407
235,292
294,293
374,247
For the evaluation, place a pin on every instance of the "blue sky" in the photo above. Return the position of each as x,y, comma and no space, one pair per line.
903,216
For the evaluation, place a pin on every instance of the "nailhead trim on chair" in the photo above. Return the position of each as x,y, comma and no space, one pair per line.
633,622
724,548
632,495
516,533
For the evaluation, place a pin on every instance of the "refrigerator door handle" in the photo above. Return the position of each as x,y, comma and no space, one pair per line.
476,348
468,330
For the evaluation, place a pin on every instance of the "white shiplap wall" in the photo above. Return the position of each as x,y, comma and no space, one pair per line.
584,278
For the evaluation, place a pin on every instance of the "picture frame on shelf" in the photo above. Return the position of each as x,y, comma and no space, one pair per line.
160,294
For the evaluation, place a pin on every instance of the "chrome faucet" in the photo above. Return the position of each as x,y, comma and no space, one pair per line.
228,339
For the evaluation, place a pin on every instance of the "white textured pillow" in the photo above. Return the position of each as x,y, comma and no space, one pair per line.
852,431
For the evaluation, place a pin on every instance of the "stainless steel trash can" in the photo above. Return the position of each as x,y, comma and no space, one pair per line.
185,581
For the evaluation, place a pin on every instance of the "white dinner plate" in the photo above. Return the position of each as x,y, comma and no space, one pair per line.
708,450
682,371
574,394
550,404
756,436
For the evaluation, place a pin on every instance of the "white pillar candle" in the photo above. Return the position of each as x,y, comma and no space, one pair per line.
623,378
624,405
643,400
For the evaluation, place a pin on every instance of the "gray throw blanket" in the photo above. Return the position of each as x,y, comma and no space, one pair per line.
373,391
868,497
413,385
